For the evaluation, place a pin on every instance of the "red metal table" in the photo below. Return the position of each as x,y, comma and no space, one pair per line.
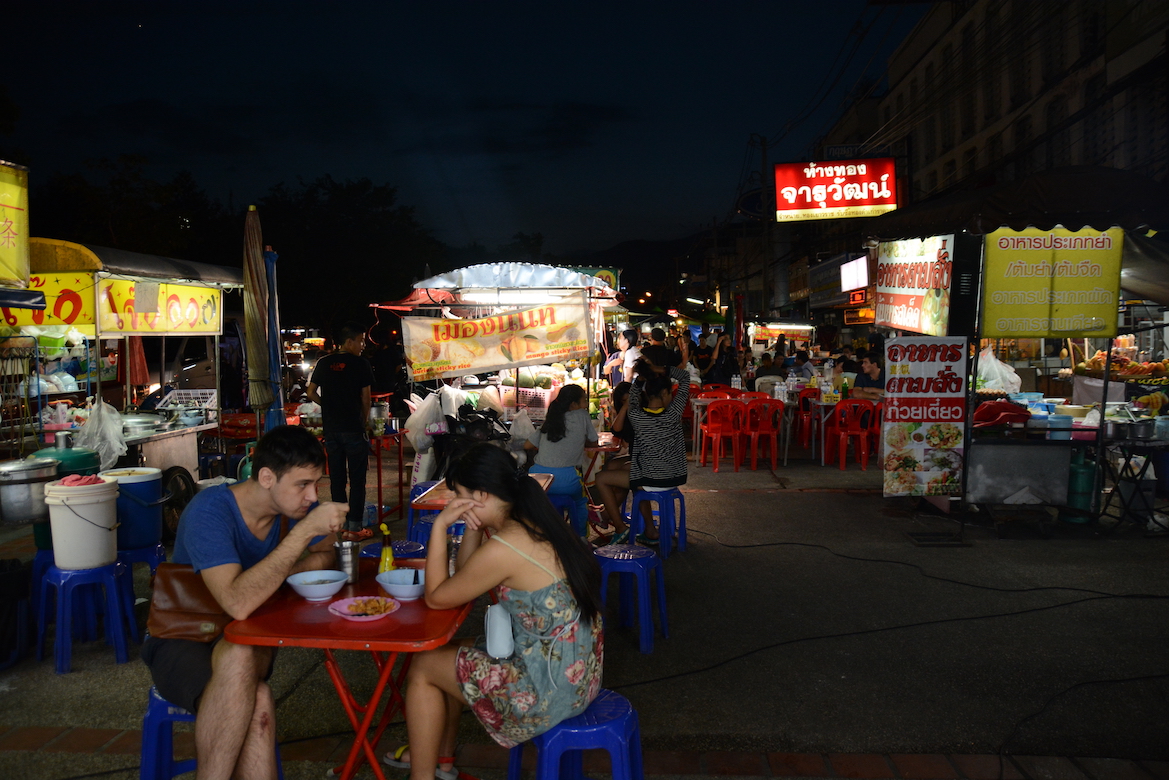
436,499
287,620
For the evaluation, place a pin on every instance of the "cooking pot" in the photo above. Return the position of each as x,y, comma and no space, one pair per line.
1142,429
1115,429
22,489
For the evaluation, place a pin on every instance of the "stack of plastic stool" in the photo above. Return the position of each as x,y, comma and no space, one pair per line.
634,564
418,528
65,580
148,555
669,523
86,609
609,723
158,762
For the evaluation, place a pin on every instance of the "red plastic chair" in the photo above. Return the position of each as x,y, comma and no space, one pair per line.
764,422
716,387
747,395
714,394
807,415
724,418
875,427
850,423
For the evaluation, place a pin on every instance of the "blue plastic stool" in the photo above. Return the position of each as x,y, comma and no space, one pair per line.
634,564
609,723
418,526
148,555
402,549
85,610
669,523
116,609
158,762
566,503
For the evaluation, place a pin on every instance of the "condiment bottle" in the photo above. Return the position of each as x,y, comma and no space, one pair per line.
386,563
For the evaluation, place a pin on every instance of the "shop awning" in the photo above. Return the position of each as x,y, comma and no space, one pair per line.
50,254
11,298
1145,268
1076,197
507,284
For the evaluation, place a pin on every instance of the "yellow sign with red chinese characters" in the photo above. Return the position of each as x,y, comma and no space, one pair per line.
13,226
177,309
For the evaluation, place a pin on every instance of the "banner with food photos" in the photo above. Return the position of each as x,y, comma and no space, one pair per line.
923,434
550,333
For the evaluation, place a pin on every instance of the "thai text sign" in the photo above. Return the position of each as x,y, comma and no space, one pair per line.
1051,283
836,190
178,308
68,301
774,331
13,226
913,284
526,337
923,432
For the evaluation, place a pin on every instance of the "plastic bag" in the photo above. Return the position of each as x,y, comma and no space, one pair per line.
489,399
521,429
102,433
994,374
428,412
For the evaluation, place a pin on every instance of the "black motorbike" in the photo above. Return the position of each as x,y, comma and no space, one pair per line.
463,432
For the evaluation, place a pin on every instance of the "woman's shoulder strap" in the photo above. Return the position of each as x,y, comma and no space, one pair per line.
525,556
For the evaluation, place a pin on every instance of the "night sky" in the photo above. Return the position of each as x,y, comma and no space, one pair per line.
591,123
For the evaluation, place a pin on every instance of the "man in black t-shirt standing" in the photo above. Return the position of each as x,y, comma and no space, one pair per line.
343,380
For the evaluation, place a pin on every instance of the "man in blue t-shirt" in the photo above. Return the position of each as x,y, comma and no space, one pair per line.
870,382
233,536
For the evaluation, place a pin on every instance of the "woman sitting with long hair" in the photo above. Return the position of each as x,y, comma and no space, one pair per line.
559,446
548,581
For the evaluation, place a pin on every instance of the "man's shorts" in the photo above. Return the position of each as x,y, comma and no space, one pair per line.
181,668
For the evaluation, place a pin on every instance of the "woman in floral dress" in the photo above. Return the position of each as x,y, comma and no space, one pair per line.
548,581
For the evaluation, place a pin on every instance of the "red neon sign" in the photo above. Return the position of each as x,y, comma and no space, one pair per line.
835,190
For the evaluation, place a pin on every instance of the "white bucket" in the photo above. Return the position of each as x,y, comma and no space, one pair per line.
84,522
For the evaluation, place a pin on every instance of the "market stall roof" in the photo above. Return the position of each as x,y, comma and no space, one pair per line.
485,284
50,254
1075,197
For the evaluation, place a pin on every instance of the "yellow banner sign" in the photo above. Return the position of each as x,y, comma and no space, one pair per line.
68,301
13,226
527,337
172,308
1052,283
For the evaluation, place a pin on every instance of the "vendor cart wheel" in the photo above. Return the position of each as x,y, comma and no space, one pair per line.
176,481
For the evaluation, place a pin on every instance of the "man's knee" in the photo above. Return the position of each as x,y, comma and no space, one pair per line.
240,661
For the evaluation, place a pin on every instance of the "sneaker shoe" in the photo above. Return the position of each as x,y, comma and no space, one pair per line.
357,536
643,539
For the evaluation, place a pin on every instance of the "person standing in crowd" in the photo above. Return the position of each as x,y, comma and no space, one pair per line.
724,362
870,382
340,383
627,356
658,338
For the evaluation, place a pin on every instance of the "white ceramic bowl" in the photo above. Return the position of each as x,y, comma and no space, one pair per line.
399,583
318,585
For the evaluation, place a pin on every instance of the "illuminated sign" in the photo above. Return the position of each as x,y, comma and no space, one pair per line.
860,316
1052,283
13,226
913,284
837,190
854,274
857,297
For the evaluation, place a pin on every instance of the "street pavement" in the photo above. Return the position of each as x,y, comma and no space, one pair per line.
808,636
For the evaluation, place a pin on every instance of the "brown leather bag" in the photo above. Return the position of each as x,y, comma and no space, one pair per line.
182,607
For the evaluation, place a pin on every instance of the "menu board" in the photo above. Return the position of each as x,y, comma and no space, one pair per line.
913,284
923,432
525,337
1051,283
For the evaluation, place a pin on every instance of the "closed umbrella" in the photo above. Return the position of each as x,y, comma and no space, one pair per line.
256,316
275,343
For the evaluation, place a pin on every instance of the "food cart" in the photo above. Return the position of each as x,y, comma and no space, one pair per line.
110,295
1036,259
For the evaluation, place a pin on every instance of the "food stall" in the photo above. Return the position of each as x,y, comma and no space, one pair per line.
110,296
1036,259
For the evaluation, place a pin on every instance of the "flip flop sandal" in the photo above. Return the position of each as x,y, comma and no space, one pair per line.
394,759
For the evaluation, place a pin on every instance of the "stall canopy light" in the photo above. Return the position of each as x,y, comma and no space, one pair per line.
532,297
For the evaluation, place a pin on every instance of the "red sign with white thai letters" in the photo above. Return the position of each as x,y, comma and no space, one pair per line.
835,190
